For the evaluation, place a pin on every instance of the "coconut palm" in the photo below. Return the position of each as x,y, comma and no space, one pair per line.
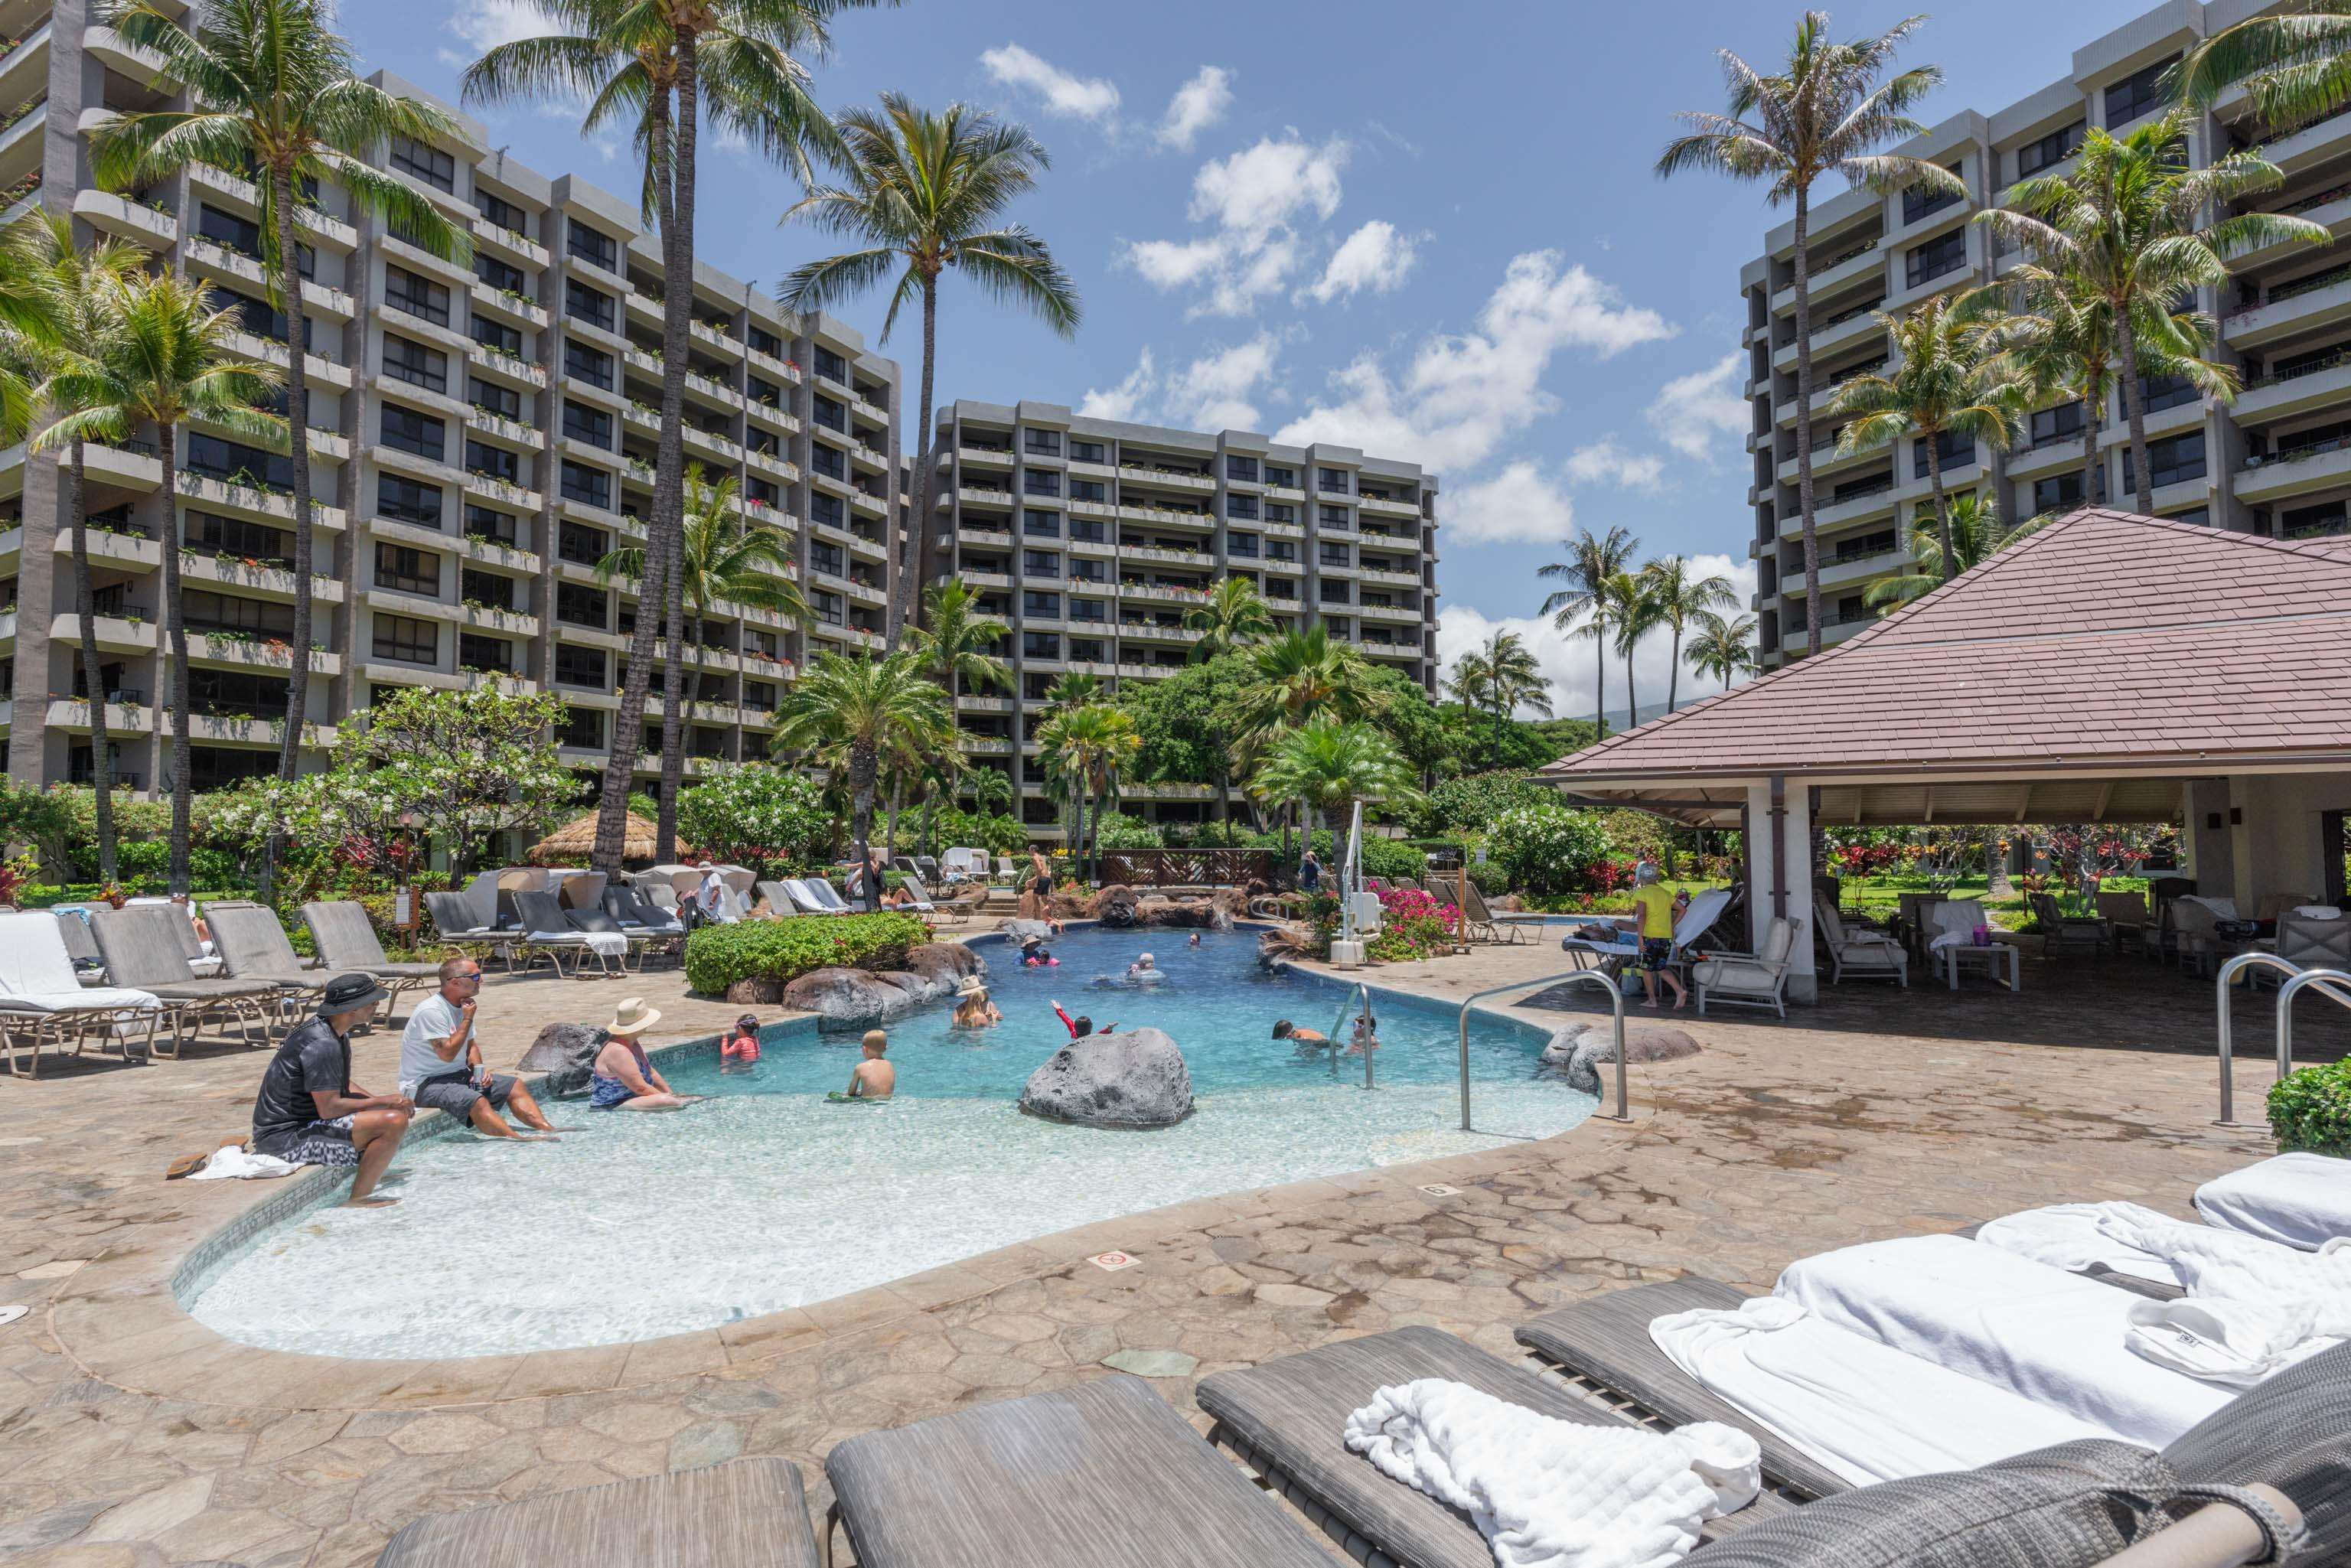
2058,335
1293,679
1623,615
1076,689
1723,646
955,637
1499,676
1232,617
1087,748
166,359
1947,383
2129,222
923,193
661,67
1971,526
1330,764
274,96
1679,599
2295,65
857,716
1593,559
1824,113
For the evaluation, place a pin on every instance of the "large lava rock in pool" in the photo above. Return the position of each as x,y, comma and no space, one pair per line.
1579,1051
1135,1078
846,999
561,1047
1116,907
945,963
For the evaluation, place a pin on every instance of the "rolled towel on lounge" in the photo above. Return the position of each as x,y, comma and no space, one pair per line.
2231,1344
2303,1199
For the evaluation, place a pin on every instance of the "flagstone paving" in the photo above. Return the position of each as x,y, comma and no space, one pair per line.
1880,1112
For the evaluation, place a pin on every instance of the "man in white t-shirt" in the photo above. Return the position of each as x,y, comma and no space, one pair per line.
712,894
441,1060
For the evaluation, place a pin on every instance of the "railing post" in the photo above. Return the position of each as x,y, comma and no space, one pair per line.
1571,976
2319,978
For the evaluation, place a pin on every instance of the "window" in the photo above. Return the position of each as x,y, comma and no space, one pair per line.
1285,477
1041,481
766,342
503,275
1280,550
2063,422
1093,610
582,303
762,491
486,588
263,322
406,501
1955,450
504,402
419,297
1085,530
594,366
579,544
1042,443
1041,525
829,414
825,557
593,247
765,392
1942,255
1087,571
581,605
239,233
1240,507
1240,545
2159,393
2059,493
1919,202
407,569
827,461
1041,606
500,211
414,363
2309,522
827,607
591,486
1040,646
1039,563
1086,452
1333,593
826,510
493,462
475,652
496,335
1241,468
593,425
233,536
831,366
237,463
1281,512
405,430
2050,150
583,727
2137,94
426,162
491,523
1334,480
1334,517
406,640
2171,462
1332,555
1087,490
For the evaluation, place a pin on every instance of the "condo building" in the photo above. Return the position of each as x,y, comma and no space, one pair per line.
482,435
1093,538
2275,462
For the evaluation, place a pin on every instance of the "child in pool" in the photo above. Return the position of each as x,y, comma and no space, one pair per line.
1081,1026
1307,1040
740,1047
1035,955
873,1078
1366,1036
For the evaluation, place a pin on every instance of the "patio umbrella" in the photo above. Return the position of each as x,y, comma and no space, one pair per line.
574,843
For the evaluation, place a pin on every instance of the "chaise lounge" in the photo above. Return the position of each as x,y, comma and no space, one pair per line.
142,953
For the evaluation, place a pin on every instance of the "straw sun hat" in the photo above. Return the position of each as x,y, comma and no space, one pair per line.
633,1017
970,986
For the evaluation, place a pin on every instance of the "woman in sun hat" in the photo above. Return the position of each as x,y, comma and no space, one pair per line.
973,1009
623,1079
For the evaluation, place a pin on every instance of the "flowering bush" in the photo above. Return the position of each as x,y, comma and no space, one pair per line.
1412,925
1549,850
768,819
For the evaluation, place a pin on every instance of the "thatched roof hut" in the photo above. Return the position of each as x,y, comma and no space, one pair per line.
575,842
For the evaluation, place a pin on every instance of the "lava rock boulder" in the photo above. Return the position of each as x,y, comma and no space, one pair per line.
562,1047
1579,1051
845,998
1135,1078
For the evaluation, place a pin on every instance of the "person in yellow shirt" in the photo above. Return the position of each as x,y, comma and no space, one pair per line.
1657,911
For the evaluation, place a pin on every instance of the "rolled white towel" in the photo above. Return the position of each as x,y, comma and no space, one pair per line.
2234,1344
232,1162
2303,1199
1547,1493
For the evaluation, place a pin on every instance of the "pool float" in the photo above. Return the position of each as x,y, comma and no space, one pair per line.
837,1097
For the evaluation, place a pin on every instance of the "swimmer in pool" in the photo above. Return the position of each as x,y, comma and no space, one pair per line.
1307,1040
1195,942
973,1009
738,1052
1035,955
875,1078
1081,1026
1143,972
1366,1036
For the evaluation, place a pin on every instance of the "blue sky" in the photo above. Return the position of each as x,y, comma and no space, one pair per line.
1431,234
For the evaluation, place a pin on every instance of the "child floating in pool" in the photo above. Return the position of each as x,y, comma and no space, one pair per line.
1366,1036
873,1078
740,1047
1035,955
1081,1026
1307,1041
973,1009
1195,942
623,1079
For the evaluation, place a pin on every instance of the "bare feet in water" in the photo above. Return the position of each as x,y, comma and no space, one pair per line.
370,1203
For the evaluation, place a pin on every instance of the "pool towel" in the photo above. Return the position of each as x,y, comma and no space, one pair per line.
2229,1344
2302,1199
1547,1493
2054,1337
2076,1235
1868,1413
234,1162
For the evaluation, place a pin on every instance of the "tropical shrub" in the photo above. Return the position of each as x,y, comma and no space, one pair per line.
1469,804
1117,831
1387,858
2310,1108
1412,925
771,819
1549,850
719,955
995,833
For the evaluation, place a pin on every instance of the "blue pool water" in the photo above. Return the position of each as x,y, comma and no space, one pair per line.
766,1197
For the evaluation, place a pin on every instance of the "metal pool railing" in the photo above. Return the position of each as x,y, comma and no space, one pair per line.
2326,980
1615,1003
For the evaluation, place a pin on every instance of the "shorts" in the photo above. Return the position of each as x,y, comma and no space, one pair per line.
316,1144
1657,952
455,1093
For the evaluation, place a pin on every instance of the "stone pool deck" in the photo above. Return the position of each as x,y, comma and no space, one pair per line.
131,1434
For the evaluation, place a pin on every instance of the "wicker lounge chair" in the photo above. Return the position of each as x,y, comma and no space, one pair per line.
142,953
346,939
744,1513
1757,979
1867,956
1102,1473
42,1002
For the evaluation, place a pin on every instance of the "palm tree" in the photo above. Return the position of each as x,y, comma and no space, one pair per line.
166,359
1330,764
1593,559
955,637
1971,526
726,557
2296,64
857,716
1076,689
274,98
1500,676
83,289
2129,221
1946,383
670,63
991,790
1088,748
1723,646
2058,335
1625,614
1233,616
923,193
1679,599
1294,678
1823,114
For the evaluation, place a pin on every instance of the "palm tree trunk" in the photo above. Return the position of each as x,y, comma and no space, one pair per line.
890,832
1632,698
902,593
862,767
1942,505
2135,410
1674,671
2092,421
298,429
101,744
175,637
1599,680
1077,835
669,468
1805,420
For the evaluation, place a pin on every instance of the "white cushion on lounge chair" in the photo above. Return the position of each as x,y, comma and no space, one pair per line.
37,974
827,896
801,895
2302,1199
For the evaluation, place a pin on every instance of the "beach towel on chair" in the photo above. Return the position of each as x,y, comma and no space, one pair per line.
1547,1493
2303,1199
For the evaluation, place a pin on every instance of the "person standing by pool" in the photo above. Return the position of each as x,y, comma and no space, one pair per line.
441,1060
309,1112
712,894
740,1047
873,1078
1310,873
1657,910
623,1079
1043,883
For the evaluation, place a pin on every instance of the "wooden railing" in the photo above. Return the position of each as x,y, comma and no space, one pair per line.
1186,868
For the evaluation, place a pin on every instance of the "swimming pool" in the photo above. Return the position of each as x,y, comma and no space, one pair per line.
636,1226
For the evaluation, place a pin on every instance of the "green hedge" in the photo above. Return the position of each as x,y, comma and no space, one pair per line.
719,955
2310,1108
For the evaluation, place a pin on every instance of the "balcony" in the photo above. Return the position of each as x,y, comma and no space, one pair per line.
505,305
1172,478
208,259
245,650
2299,473
1382,506
2302,304
250,577
155,227
990,457
71,715
512,369
252,501
1831,272
116,633
2303,390
1856,325
512,245
1827,514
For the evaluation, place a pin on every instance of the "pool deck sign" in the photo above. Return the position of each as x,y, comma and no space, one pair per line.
1111,1262
1438,1189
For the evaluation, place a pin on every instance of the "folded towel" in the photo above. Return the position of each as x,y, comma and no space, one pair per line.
2302,1199
234,1162
609,944
2233,1344
1547,1493
2069,1236
2318,911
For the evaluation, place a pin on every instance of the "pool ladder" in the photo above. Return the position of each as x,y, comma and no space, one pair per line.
1591,977
2332,984
1362,992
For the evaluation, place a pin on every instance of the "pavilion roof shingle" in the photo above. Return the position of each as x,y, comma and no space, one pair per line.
2107,638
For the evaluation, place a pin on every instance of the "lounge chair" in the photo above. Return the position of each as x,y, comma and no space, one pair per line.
142,953
253,946
43,1002
2126,916
828,898
73,925
597,923
346,939
1102,1473
2059,929
947,913
201,964
1757,979
904,866
963,865
744,1513
2313,942
456,919
1869,957
547,931
1705,911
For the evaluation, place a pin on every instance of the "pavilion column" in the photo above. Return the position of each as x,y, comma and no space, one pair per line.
1779,871
2244,886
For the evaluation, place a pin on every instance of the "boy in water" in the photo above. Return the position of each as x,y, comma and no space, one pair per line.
1081,1026
1307,1040
1366,1036
874,1078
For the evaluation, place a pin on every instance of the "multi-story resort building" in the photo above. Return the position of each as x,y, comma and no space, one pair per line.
481,436
2276,462
1091,538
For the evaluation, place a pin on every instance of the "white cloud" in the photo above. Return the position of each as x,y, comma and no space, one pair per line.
1605,462
1374,257
1691,411
1517,506
1128,399
483,24
1462,396
1248,193
1255,200
1213,391
1567,662
1078,98
1198,105
1168,264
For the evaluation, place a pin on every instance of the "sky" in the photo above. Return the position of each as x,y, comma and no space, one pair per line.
1432,235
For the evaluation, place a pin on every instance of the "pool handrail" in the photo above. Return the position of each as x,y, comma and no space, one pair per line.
2221,984
2326,980
1615,1003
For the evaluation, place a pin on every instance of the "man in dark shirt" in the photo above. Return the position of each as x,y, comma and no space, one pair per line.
310,1113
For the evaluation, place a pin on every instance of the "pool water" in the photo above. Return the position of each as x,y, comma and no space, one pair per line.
767,1197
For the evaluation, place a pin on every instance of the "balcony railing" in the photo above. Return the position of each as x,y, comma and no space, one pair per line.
2328,363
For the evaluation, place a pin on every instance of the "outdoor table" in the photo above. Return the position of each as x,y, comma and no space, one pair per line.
1994,955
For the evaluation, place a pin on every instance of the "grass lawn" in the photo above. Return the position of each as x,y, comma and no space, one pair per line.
1876,896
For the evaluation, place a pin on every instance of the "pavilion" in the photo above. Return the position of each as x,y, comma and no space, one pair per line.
2110,668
